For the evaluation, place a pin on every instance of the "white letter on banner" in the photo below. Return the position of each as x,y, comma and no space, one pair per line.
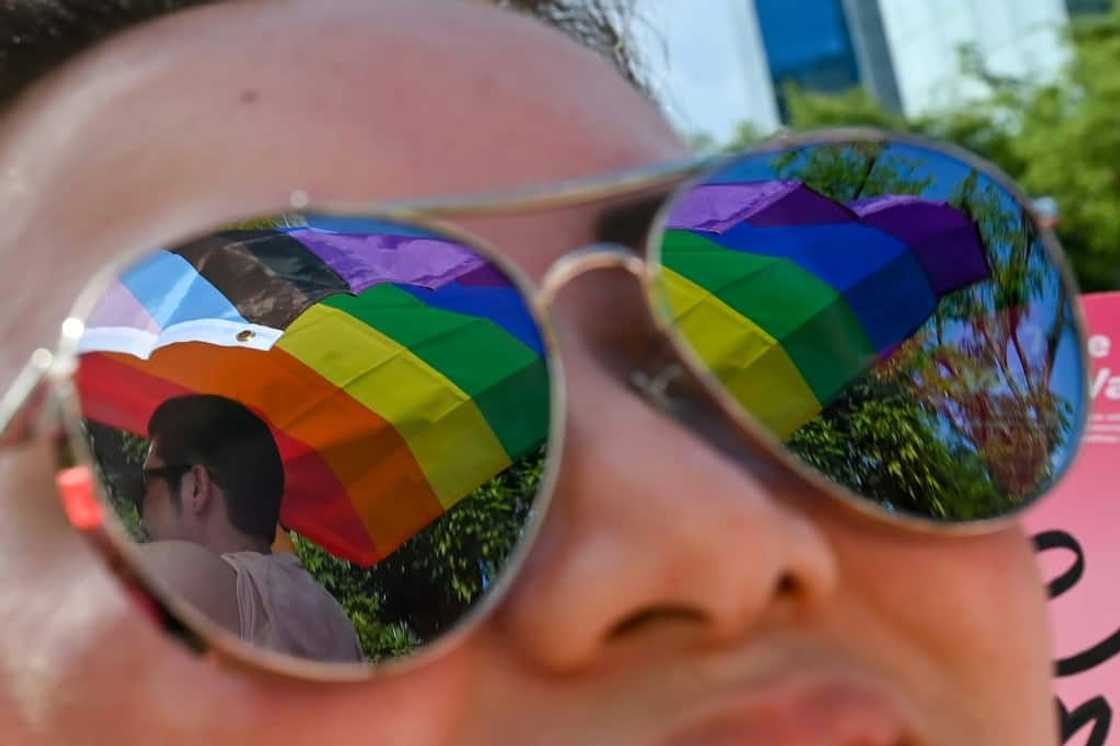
1099,382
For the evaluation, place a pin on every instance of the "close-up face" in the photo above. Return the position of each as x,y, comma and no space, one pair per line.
677,593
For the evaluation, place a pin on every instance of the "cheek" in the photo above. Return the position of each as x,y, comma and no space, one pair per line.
157,516
970,610
154,524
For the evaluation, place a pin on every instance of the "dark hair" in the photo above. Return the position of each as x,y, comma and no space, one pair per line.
37,36
235,446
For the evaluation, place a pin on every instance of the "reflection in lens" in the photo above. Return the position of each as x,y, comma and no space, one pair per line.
352,414
890,313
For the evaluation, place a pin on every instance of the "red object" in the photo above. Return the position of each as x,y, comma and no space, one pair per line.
79,499
1078,532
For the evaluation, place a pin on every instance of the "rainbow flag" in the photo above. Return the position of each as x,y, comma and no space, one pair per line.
789,296
398,371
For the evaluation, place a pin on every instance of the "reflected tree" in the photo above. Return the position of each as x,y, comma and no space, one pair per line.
963,420
118,457
996,385
846,173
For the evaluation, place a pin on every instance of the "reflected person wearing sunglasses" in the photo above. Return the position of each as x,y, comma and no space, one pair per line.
693,580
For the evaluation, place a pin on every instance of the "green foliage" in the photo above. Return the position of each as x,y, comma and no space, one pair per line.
849,109
848,173
118,459
437,575
433,580
1070,146
267,223
986,129
357,591
879,441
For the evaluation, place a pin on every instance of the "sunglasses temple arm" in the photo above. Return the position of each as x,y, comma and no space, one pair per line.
24,405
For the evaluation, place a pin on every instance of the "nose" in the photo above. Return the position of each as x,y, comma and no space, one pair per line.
652,524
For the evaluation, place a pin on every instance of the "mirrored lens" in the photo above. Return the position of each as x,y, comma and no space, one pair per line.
891,313
326,433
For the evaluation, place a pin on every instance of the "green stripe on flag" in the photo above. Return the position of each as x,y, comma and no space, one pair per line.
756,370
507,380
813,323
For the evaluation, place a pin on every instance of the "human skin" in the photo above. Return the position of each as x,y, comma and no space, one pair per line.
164,518
672,587
187,535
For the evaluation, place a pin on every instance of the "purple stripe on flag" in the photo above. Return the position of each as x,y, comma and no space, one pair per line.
364,260
487,275
947,243
718,207
120,308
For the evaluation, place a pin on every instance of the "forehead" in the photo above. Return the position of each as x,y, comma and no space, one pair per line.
375,100
217,113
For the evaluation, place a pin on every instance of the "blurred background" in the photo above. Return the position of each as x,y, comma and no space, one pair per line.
1033,85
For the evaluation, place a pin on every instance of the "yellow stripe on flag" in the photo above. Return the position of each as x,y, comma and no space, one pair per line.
444,428
748,361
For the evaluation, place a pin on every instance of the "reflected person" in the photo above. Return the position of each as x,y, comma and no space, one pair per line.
213,483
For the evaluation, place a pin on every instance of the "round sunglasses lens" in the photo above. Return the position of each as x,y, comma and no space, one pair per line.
325,433
891,313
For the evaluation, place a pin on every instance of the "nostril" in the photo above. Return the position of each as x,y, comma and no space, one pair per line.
788,587
654,615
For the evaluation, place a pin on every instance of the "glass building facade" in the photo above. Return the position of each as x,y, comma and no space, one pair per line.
808,43
1078,7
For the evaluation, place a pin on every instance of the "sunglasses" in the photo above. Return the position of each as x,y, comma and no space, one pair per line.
172,473
884,316
163,472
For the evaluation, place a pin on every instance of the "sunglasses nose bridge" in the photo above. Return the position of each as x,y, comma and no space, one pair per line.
586,259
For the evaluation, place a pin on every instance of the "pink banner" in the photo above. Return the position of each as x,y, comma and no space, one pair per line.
1078,535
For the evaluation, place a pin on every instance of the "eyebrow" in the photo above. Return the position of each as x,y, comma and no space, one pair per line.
628,224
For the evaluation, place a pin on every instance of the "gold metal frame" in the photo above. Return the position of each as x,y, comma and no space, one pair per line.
48,377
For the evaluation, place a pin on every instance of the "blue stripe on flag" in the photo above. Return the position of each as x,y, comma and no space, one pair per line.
173,291
877,274
501,304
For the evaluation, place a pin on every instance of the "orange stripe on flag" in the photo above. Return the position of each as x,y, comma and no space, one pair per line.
386,485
